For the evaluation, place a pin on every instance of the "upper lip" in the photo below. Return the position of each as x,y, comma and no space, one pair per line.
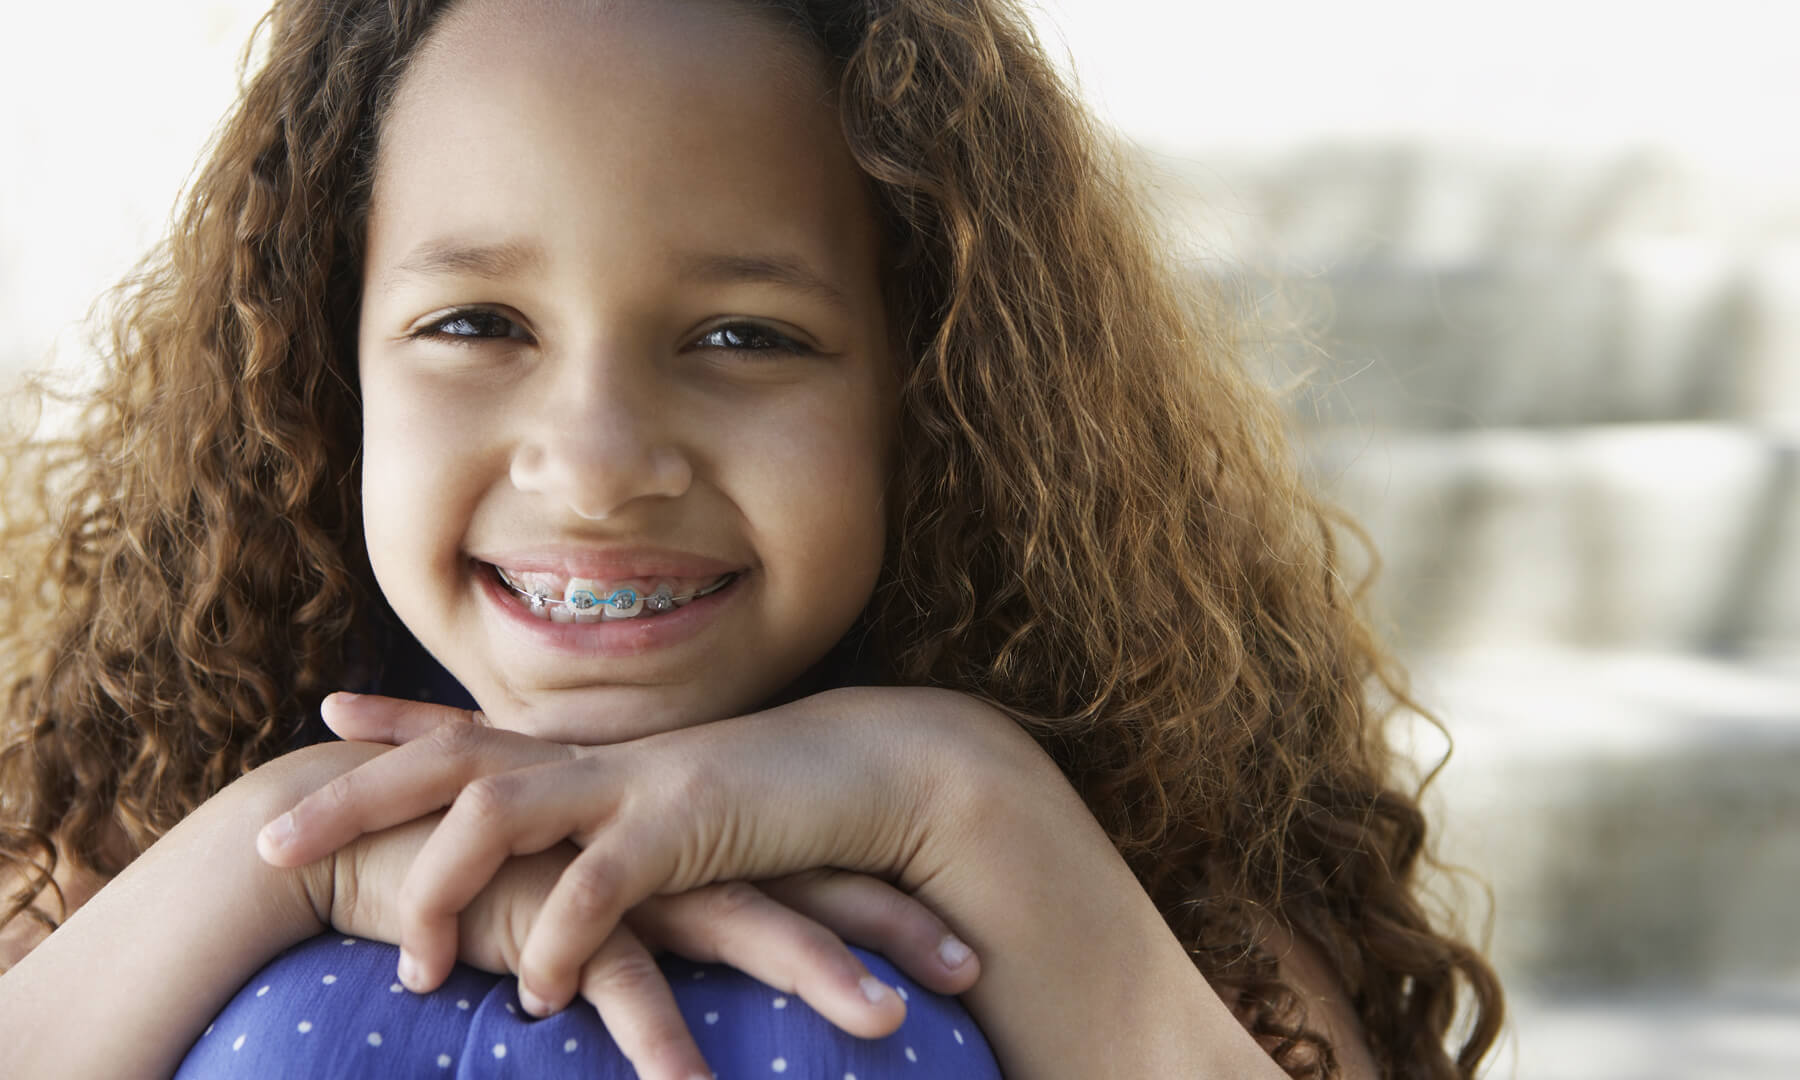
609,563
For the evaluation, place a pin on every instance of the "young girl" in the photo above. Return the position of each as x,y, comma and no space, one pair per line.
777,416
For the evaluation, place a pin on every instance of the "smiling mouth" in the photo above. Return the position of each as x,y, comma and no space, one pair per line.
584,601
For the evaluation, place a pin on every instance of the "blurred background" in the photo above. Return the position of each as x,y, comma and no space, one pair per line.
1529,276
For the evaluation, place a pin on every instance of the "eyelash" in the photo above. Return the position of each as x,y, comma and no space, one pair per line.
773,340
435,331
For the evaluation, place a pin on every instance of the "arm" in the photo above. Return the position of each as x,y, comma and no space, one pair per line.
1075,947
1083,977
154,954
939,793
22,934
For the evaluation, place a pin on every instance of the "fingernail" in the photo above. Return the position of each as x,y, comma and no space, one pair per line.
280,832
534,1005
873,989
953,953
344,697
409,970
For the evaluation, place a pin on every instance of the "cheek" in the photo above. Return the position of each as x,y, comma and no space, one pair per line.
387,489
414,451
822,490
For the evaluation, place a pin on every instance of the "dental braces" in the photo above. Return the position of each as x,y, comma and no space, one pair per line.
622,599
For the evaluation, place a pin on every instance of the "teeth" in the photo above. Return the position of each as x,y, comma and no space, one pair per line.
581,598
584,600
623,604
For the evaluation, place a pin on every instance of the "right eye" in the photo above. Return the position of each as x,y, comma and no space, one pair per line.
471,324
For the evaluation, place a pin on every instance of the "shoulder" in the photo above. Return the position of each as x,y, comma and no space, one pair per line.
1328,1006
77,885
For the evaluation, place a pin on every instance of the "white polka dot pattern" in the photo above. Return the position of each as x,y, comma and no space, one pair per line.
342,1015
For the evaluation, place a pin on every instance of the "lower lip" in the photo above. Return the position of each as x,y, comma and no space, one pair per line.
608,637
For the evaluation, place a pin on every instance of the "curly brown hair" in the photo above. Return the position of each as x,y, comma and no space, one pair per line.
185,577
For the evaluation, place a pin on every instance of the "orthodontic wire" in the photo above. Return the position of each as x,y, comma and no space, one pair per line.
619,599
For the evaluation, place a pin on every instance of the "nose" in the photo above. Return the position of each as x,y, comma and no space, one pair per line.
597,441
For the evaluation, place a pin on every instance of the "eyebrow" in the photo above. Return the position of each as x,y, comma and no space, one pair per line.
782,270
438,258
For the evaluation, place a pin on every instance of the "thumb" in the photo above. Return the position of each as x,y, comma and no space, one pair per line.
373,718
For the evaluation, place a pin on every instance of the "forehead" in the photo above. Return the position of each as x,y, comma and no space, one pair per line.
567,122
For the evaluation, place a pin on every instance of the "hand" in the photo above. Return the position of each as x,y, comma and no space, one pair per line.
659,815
784,932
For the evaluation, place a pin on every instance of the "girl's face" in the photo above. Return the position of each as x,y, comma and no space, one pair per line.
621,329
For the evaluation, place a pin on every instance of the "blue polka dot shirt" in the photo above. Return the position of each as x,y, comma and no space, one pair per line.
330,1007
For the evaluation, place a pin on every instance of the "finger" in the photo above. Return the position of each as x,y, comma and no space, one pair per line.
624,983
373,718
739,925
867,911
421,777
603,882
494,818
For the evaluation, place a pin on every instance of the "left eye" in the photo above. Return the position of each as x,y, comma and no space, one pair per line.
749,337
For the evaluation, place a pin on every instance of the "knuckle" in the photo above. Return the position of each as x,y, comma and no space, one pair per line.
661,1039
486,799
589,890
339,794
456,741
418,909
883,901
413,899
627,973
697,783
804,889
896,917
732,900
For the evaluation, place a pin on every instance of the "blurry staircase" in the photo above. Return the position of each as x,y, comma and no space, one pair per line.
1565,401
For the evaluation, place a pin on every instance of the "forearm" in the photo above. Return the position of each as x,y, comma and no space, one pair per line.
1081,976
130,979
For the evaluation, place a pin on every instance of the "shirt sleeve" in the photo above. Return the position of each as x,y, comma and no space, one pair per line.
331,1007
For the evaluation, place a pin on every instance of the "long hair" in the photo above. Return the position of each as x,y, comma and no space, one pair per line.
1095,525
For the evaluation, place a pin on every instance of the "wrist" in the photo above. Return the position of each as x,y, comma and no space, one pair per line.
311,892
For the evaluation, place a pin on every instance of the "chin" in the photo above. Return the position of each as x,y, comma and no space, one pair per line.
602,715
